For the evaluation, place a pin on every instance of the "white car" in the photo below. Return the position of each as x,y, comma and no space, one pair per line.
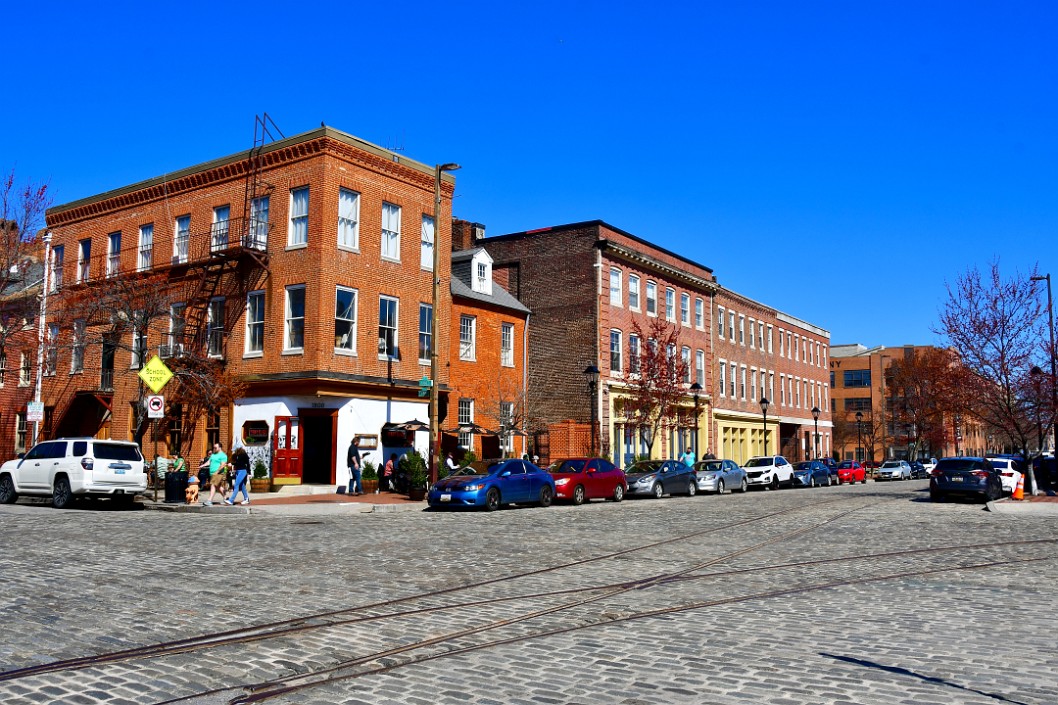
893,470
1009,473
769,471
929,464
67,468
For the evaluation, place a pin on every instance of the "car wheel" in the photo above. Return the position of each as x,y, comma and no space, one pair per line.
578,495
692,488
828,480
745,486
774,482
546,495
123,500
492,499
935,496
719,486
7,490
658,490
864,480
618,493
61,496
811,480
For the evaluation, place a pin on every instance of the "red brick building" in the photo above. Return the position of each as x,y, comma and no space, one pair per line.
488,355
302,267
586,283
763,353
18,354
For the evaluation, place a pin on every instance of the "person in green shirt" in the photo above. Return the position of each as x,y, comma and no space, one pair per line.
218,475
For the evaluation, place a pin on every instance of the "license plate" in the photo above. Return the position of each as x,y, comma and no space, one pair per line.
119,471
956,479
446,498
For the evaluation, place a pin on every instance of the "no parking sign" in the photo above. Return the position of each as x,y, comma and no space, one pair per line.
155,406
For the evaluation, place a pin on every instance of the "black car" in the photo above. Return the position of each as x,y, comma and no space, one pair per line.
918,471
965,477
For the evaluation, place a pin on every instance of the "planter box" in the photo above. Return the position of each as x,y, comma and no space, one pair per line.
263,484
369,485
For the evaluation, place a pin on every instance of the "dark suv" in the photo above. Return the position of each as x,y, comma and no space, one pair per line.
965,477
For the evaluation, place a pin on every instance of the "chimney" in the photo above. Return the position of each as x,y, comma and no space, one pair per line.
465,235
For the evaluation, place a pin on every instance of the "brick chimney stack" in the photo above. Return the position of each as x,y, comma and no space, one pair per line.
465,235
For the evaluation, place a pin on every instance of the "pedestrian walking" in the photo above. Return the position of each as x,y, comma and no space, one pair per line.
240,460
387,473
217,463
354,463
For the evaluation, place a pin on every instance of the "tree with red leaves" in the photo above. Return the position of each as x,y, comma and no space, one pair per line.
655,379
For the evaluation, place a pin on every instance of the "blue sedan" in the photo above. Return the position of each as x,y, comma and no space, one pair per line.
502,482
811,473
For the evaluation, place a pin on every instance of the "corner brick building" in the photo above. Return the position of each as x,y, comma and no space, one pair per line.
303,267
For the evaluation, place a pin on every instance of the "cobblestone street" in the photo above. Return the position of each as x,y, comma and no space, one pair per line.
861,594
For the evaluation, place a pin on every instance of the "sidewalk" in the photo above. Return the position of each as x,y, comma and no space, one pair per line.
1038,505
305,503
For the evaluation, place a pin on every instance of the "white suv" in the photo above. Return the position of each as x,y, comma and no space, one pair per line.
769,471
66,468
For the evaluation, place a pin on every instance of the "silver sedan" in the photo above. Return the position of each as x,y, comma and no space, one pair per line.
720,476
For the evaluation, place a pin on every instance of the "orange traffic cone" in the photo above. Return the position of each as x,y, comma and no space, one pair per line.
1019,491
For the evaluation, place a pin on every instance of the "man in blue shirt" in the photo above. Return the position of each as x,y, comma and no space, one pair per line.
687,458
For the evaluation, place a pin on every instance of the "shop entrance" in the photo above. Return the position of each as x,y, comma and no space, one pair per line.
319,428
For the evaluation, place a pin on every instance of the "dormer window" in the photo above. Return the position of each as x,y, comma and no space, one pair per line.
482,274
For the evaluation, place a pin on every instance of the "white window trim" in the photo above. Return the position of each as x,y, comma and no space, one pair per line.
753,334
636,288
427,241
670,304
141,265
685,313
287,319
354,330
291,229
619,291
246,351
433,341
654,299
468,354
722,374
615,333
355,219
396,327
722,316
507,354
699,313
385,237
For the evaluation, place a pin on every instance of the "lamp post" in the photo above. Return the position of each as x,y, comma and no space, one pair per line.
1035,373
764,403
958,432
696,390
859,436
1050,316
592,373
815,417
435,429
41,327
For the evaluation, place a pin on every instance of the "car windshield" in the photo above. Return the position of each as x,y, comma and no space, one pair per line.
1001,464
571,466
710,466
758,462
117,451
644,466
846,465
891,464
957,464
803,467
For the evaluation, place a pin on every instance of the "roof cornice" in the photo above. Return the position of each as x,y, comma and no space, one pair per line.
644,261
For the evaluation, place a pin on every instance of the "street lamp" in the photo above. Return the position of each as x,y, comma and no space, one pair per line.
1035,373
859,436
696,390
815,417
1050,315
592,373
435,427
764,410
958,432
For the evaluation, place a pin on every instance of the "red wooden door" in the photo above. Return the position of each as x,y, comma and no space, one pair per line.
286,449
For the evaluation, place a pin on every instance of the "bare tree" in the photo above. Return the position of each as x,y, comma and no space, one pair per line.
22,207
929,385
997,326
655,379
200,386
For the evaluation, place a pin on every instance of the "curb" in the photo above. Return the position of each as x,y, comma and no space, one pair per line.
1023,508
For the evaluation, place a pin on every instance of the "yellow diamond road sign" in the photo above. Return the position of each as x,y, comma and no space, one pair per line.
155,374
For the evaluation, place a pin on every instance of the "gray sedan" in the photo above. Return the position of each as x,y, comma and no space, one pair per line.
720,476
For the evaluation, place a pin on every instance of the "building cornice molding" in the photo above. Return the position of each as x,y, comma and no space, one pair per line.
648,263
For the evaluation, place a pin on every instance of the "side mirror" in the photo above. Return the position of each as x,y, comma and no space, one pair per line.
21,456
505,473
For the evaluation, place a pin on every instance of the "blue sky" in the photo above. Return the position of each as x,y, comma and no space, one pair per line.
838,160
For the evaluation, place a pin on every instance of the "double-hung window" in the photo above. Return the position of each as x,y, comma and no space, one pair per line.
633,292
84,260
685,309
51,355
215,326
57,255
722,379
181,239
752,333
139,345
294,319
670,304
113,253
633,354
467,338
146,249
348,219
298,228
218,232
507,344
177,323
345,319
685,358
699,367
77,344
257,233
615,352
255,304
699,314
390,232
652,299
466,416
425,333
24,371
615,287
388,312
426,248
721,322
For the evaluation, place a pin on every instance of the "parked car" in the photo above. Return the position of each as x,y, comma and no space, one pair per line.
769,471
67,468
1009,473
965,476
493,484
918,471
832,468
660,477
893,470
850,471
811,473
720,476
929,464
582,479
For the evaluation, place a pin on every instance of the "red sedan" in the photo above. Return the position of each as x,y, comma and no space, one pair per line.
852,472
581,479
